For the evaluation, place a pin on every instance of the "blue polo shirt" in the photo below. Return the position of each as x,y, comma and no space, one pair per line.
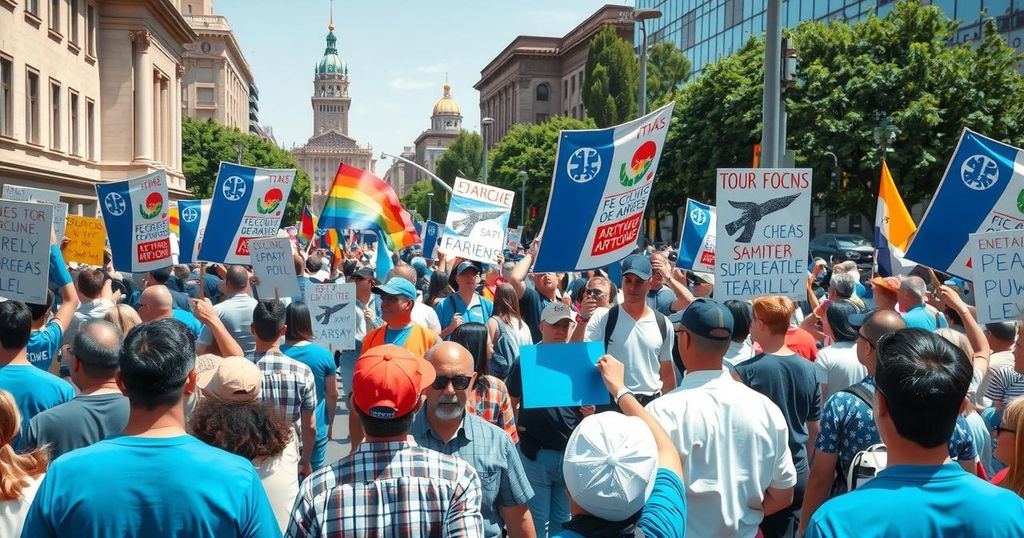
920,317
918,501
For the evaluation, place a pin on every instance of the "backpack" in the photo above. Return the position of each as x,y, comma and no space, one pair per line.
505,353
867,463
613,318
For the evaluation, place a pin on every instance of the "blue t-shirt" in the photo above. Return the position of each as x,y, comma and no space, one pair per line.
321,361
453,304
661,299
911,501
189,320
920,317
44,345
397,336
664,514
173,486
34,390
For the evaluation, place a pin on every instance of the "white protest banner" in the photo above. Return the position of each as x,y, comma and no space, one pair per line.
135,215
477,218
761,233
25,250
43,196
272,264
332,309
513,238
998,264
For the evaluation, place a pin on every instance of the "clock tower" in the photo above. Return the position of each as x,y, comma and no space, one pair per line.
445,127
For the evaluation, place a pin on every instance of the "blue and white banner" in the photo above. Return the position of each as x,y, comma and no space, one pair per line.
697,244
247,203
599,191
192,216
135,214
980,192
431,237
477,218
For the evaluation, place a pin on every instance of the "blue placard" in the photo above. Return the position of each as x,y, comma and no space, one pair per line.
430,236
697,243
562,375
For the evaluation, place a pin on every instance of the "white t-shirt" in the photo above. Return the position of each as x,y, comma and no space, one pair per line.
425,316
86,311
837,365
734,443
13,512
739,352
638,344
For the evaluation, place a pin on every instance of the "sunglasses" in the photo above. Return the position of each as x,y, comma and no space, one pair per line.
1000,429
594,292
459,382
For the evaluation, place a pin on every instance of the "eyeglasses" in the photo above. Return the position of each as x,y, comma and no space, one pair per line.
1000,429
595,292
459,382
865,339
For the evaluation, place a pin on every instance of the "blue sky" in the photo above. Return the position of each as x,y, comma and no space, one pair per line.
397,51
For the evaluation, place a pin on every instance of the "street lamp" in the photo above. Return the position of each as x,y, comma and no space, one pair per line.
641,15
522,175
239,146
484,123
430,208
429,174
884,134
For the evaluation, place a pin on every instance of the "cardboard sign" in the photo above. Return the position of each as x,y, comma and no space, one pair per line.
135,215
562,375
762,232
477,218
513,238
998,262
43,196
273,265
332,310
697,243
25,250
88,237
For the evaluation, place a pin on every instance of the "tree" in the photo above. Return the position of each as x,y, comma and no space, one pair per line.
667,68
530,148
463,158
417,200
611,79
205,144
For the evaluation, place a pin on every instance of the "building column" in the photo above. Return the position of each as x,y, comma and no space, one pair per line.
143,111
176,106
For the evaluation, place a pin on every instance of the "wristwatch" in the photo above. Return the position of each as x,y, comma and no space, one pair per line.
622,392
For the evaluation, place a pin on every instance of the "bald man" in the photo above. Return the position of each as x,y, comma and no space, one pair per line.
156,302
445,426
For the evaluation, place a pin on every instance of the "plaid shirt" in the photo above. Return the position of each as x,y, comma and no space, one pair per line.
492,404
389,489
287,384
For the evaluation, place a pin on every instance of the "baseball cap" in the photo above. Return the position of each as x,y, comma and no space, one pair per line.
706,318
363,272
397,286
610,464
235,379
705,277
637,265
888,283
556,311
388,380
465,266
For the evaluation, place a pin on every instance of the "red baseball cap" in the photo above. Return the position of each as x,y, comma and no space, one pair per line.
388,380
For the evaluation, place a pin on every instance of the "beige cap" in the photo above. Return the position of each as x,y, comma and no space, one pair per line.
556,311
236,379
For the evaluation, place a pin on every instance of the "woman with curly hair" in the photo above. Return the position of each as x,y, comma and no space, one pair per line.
232,417
20,474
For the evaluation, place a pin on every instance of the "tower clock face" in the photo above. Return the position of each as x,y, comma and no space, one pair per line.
205,47
449,123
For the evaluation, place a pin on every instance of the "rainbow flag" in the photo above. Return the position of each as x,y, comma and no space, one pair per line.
307,226
362,201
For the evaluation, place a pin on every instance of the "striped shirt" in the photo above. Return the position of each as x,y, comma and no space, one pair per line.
287,384
491,403
1005,385
395,489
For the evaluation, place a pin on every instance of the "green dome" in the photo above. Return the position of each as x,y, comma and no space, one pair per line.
331,62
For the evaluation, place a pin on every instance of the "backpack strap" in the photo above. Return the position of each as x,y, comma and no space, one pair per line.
861,391
662,325
609,326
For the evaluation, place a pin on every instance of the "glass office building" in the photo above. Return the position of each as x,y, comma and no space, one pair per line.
706,30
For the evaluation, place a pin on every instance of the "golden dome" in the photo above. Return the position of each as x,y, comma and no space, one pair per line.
330,27
447,105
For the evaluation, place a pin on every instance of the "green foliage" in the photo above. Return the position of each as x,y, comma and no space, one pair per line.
204,144
462,158
532,149
667,68
611,79
416,200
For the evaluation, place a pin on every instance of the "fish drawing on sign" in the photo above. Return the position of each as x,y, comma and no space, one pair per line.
324,317
464,226
753,212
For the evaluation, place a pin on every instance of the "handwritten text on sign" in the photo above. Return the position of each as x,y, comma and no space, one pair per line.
998,262
273,265
24,250
87,238
332,309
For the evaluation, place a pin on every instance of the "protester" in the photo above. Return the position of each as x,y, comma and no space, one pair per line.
171,484
438,289
124,317
160,277
837,365
389,483
492,278
99,410
662,295
231,417
421,313
465,305
445,426
507,330
885,291
911,299
598,297
235,311
95,296
979,430
367,319
1010,448
48,334
20,474
734,441
489,398
792,383
740,349
637,334
1000,336
533,300
1007,383
156,302
922,380
299,345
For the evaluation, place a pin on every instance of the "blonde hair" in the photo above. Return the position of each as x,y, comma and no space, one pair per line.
124,316
958,339
14,467
1013,417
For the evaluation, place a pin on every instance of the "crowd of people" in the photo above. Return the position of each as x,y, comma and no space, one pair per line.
180,403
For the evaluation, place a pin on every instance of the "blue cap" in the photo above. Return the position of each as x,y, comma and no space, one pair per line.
637,265
956,281
706,318
464,266
397,286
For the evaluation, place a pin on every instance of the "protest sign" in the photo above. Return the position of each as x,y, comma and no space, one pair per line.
140,242
332,309
247,203
87,238
193,215
431,238
18,193
599,191
25,250
761,232
562,375
477,218
273,265
998,263
979,192
697,244
513,238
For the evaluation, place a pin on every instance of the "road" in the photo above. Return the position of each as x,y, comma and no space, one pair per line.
339,446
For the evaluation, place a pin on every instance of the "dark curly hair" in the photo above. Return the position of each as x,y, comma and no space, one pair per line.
251,430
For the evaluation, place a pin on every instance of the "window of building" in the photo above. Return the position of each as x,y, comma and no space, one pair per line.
734,12
32,107
572,84
90,129
32,7
542,92
689,29
565,89
73,124
6,107
55,115
204,96
73,8
55,15
90,30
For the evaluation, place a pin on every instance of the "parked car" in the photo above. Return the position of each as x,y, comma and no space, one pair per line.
835,248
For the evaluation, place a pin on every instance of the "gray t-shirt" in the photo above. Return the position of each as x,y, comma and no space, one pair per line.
236,314
78,423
